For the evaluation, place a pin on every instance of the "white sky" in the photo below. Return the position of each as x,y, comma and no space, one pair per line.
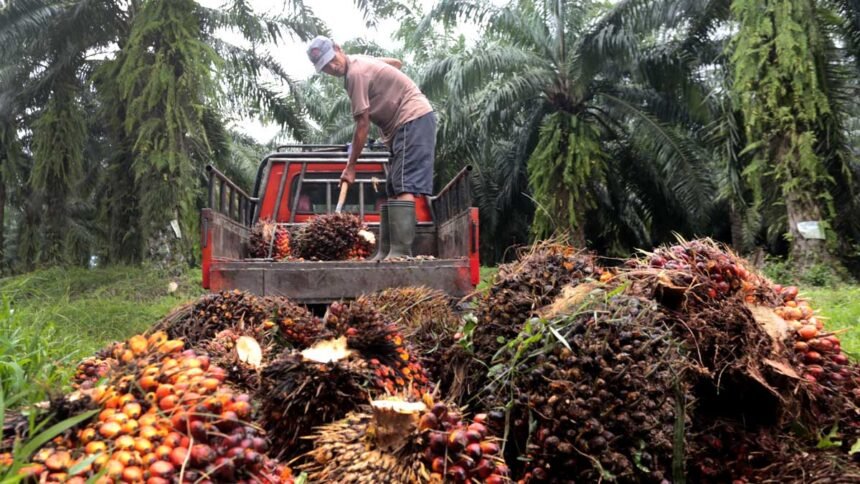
345,22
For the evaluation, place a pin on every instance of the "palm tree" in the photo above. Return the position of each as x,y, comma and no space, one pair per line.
563,107
60,51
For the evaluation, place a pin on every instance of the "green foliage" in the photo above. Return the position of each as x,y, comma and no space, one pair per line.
779,84
165,79
841,306
567,159
93,307
34,358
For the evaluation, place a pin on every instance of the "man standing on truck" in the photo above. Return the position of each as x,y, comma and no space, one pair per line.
382,94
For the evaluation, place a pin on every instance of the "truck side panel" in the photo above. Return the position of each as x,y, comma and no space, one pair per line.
324,282
223,240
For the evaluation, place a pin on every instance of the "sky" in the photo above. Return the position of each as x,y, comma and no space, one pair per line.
345,22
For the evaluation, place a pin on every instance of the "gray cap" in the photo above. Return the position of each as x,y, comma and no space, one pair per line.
320,51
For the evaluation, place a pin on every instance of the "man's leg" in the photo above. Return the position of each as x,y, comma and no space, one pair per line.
410,175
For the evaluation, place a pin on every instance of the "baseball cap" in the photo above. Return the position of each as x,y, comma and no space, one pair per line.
320,51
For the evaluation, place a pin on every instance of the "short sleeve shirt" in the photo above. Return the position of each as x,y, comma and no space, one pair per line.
391,96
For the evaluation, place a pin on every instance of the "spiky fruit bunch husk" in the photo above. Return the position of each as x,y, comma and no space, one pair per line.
522,287
328,237
707,271
299,394
426,320
225,352
260,240
608,407
264,318
393,361
400,442
163,416
297,326
213,313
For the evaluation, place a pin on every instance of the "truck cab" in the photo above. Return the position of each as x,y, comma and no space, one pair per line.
299,182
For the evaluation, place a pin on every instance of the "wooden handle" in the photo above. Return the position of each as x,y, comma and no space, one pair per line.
342,197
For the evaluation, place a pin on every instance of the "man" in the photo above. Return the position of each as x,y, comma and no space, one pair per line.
381,94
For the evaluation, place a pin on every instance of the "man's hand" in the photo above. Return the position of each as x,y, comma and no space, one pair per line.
348,174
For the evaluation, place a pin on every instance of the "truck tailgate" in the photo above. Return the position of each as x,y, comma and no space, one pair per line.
324,282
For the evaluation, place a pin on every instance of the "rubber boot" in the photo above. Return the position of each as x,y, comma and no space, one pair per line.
401,228
382,244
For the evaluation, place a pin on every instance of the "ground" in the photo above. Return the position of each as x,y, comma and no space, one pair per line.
50,319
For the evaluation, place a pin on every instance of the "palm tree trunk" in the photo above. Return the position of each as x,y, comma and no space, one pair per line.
805,252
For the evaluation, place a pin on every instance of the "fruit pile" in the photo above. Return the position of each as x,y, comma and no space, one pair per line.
604,404
269,240
366,358
426,319
165,415
330,237
819,351
406,442
704,269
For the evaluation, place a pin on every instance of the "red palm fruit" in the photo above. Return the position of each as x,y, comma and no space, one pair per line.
490,448
202,454
178,456
457,474
428,421
484,468
473,436
225,468
132,474
474,451
438,465
457,440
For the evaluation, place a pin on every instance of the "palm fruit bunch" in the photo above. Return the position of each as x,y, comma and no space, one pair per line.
240,355
302,390
328,237
213,313
260,242
707,270
297,326
366,358
426,320
392,360
404,442
364,247
522,287
594,396
164,415
819,351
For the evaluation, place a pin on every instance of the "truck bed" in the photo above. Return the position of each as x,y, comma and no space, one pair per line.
321,282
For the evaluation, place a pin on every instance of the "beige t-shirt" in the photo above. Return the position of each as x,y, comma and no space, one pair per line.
391,96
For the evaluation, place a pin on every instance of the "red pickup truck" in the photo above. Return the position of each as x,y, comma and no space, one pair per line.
298,182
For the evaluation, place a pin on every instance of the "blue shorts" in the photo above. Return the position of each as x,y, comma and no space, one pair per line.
414,149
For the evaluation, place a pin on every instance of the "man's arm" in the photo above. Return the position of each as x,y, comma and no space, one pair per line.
392,62
359,138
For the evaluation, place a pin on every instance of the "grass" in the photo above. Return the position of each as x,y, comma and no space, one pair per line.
52,318
841,305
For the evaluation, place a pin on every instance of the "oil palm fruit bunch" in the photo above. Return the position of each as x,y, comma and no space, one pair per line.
593,393
522,287
426,319
302,390
260,241
364,246
165,415
379,341
213,313
328,237
406,442
297,326
707,270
